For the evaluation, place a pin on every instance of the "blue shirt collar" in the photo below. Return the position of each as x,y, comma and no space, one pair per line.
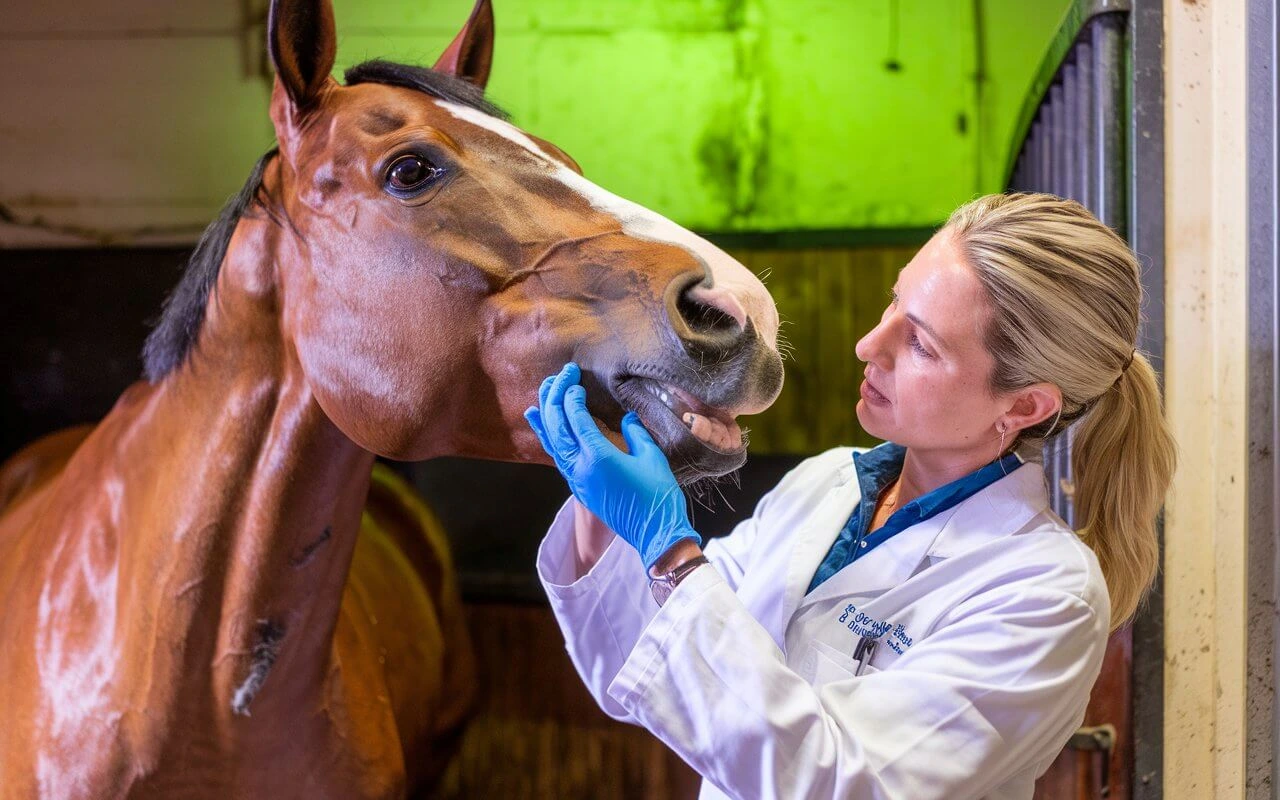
876,469
881,466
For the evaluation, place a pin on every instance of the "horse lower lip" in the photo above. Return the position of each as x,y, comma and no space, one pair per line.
719,429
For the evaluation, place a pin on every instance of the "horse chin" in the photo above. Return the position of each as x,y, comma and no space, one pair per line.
692,459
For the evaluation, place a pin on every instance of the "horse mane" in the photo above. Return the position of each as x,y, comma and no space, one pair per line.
183,312
175,332
437,84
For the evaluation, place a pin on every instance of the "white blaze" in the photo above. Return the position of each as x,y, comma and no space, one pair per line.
729,276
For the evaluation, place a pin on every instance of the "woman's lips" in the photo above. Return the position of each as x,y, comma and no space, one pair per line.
871,394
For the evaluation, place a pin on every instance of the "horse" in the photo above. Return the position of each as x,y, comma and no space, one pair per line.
217,591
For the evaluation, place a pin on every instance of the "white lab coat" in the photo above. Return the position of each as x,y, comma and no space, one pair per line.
999,611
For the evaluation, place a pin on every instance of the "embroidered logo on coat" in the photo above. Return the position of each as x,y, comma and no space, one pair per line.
862,624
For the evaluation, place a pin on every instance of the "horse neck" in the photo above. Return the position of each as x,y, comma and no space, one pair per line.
257,498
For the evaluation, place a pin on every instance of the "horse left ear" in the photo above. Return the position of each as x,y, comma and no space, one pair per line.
470,54
303,42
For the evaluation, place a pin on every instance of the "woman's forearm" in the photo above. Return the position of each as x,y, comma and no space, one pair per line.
591,538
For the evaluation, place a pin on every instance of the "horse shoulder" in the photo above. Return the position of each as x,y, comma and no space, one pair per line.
38,463
403,599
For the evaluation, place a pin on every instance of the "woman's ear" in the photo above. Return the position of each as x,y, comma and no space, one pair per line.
1031,406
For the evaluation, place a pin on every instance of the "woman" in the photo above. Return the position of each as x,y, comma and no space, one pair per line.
911,621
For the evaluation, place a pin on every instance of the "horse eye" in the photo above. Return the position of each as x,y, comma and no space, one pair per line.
411,173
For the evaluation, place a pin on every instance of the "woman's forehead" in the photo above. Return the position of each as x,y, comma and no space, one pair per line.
938,287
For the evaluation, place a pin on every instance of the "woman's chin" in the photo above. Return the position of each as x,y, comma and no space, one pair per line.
867,418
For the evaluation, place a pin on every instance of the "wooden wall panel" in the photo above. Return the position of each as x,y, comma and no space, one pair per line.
828,299
538,734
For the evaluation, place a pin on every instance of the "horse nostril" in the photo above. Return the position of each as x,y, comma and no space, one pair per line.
705,319
711,310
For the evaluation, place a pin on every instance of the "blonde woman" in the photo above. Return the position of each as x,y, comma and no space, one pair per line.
910,621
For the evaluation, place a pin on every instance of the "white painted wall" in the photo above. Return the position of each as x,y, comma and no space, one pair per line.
76,156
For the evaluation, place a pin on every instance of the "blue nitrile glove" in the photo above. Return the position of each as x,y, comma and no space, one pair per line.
635,493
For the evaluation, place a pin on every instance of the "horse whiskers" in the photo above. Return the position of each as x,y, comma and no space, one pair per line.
700,490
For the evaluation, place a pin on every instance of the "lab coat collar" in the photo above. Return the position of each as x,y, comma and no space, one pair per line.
998,510
815,538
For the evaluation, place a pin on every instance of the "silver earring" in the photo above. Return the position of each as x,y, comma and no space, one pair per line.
1001,428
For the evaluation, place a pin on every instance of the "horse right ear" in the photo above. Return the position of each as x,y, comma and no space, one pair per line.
470,54
303,42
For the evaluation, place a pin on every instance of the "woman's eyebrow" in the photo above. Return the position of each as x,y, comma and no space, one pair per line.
919,323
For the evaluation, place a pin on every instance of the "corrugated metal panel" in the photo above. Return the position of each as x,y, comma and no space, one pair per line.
1075,147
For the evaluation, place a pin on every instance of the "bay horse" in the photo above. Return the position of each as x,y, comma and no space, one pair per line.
216,592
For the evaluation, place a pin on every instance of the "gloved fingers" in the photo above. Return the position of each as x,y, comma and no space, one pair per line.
559,434
545,388
534,417
637,436
583,424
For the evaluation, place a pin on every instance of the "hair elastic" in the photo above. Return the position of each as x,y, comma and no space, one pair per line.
1125,368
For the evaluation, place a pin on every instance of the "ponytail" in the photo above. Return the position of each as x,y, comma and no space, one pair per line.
1065,296
1122,460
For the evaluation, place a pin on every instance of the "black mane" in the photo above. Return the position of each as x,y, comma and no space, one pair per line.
183,313
175,333
437,84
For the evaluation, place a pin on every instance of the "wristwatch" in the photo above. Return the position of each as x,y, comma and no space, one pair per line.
663,585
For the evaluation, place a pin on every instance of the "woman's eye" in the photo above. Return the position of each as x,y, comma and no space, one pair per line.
918,347
411,173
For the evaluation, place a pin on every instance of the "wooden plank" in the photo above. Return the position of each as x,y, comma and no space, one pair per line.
539,735
828,298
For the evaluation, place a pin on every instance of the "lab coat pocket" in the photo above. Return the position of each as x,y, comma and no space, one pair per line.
826,664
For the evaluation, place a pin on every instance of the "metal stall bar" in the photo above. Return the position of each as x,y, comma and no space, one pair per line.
1097,103
1146,236
1262,732
1071,142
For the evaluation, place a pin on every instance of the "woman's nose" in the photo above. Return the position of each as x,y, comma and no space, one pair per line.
870,347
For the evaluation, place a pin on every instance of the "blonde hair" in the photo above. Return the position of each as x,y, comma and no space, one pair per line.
1065,293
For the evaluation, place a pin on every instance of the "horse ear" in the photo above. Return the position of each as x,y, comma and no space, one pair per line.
470,54
302,42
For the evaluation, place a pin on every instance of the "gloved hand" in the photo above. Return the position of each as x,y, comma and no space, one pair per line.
635,494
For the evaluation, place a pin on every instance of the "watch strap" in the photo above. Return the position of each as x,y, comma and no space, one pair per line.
663,585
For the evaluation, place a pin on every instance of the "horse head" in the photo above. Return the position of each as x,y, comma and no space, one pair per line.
435,262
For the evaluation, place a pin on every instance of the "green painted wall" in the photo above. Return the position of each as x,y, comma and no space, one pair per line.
1017,33
757,115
